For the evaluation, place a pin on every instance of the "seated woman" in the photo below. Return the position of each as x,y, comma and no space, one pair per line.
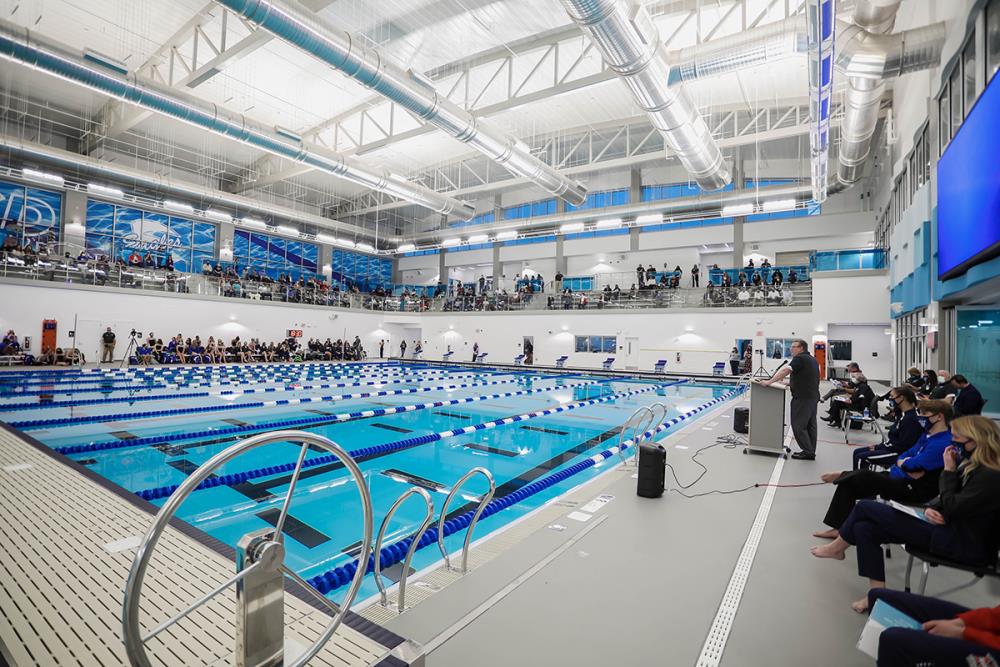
951,634
960,523
913,480
901,436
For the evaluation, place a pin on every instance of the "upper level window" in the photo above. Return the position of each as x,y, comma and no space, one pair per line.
944,120
956,99
969,74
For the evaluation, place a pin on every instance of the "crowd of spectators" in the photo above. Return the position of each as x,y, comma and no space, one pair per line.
181,350
941,457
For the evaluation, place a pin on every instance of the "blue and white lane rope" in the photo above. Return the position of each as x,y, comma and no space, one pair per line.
188,379
283,379
286,423
235,367
14,407
394,553
364,452
60,422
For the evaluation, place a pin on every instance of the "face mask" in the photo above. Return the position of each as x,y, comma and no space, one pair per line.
941,379
925,423
959,448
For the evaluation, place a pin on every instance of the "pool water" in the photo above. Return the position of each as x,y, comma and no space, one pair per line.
147,430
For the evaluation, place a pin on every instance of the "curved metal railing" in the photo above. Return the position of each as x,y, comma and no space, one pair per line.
261,563
428,517
475,518
641,421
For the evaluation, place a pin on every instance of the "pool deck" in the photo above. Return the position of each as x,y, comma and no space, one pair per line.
66,546
597,576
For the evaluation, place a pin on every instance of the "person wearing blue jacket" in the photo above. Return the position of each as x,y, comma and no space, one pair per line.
902,435
912,480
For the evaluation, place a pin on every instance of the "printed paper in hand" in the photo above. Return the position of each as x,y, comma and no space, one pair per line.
883,616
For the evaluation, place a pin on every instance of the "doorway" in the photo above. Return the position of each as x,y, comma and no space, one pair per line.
630,350
528,349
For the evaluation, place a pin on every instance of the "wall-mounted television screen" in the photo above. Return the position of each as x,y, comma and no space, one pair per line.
968,189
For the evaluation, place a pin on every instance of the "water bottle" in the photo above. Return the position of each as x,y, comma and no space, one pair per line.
867,414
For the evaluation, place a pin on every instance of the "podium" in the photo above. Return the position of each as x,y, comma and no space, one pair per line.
767,420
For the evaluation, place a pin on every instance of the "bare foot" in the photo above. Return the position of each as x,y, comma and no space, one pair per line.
828,551
831,534
830,477
860,606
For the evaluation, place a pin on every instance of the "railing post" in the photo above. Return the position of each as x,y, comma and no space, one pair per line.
260,607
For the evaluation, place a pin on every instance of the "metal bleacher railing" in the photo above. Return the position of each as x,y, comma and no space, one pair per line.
577,293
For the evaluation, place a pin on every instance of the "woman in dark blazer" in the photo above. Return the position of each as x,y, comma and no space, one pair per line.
960,524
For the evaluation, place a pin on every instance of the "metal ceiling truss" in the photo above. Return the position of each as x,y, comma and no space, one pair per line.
619,144
211,40
508,77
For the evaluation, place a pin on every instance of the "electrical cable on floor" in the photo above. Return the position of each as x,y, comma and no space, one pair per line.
729,441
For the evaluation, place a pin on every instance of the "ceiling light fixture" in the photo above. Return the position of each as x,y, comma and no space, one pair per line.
479,238
734,210
779,205
406,247
447,243
285,229
609,223
104,190
364,247
570,227
507,235
221,216
649,219
43,176
178,206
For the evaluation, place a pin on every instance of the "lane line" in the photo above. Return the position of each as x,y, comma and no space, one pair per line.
722,625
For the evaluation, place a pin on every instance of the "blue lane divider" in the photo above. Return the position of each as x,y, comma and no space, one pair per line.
14,407
235,367
394,553
150,414
181,379
416,375
281,423
364,452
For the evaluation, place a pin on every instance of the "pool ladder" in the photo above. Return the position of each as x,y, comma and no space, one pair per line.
647,418
416,537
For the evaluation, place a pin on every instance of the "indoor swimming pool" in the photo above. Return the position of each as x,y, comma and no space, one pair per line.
146,430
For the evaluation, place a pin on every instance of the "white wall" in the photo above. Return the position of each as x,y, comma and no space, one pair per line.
870,347
700,337
167,315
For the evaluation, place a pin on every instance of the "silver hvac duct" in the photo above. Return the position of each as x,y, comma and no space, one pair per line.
628,40
866,60
24,47
295,25
76,163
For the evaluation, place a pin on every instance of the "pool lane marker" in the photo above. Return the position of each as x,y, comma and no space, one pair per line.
304,421
59,422
394,553
365,452
232,394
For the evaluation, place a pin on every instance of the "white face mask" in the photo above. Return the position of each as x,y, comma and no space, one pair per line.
942,379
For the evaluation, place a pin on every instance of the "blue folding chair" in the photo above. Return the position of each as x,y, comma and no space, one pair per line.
660,366
608,363
561,362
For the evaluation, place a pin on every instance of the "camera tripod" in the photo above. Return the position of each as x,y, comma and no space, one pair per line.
132,345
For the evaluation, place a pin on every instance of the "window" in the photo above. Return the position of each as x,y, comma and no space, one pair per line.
841,350
778,348
992,39
969,74
274,255
31,216
365,271
117,231
925,156
597,344
955,84
944,124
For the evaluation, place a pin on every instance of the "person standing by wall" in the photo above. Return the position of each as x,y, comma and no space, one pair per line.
734,360
402,349
695,273
475,351
108,346
381,349
804,382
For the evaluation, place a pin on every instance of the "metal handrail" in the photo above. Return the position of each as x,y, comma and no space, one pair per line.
475,518
428,517
272,550
648,420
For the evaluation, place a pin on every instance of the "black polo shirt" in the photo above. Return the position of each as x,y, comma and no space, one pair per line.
804,380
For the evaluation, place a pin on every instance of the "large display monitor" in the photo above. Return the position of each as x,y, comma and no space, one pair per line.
968,189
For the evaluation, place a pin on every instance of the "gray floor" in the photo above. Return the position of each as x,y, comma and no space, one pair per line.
642,587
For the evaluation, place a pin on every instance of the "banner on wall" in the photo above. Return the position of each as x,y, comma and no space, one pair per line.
29,215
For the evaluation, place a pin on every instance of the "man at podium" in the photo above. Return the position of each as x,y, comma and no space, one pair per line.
803,374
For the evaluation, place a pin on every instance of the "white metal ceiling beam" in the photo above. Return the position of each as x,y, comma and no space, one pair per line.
347,131
196,52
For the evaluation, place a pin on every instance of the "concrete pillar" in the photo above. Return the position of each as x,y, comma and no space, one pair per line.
738,221
560,257
497,267
74,221
442,269
396,277
635,185
633,239
324,259
497,208
560,205
227,231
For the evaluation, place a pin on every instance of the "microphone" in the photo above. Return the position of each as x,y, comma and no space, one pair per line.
783,364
